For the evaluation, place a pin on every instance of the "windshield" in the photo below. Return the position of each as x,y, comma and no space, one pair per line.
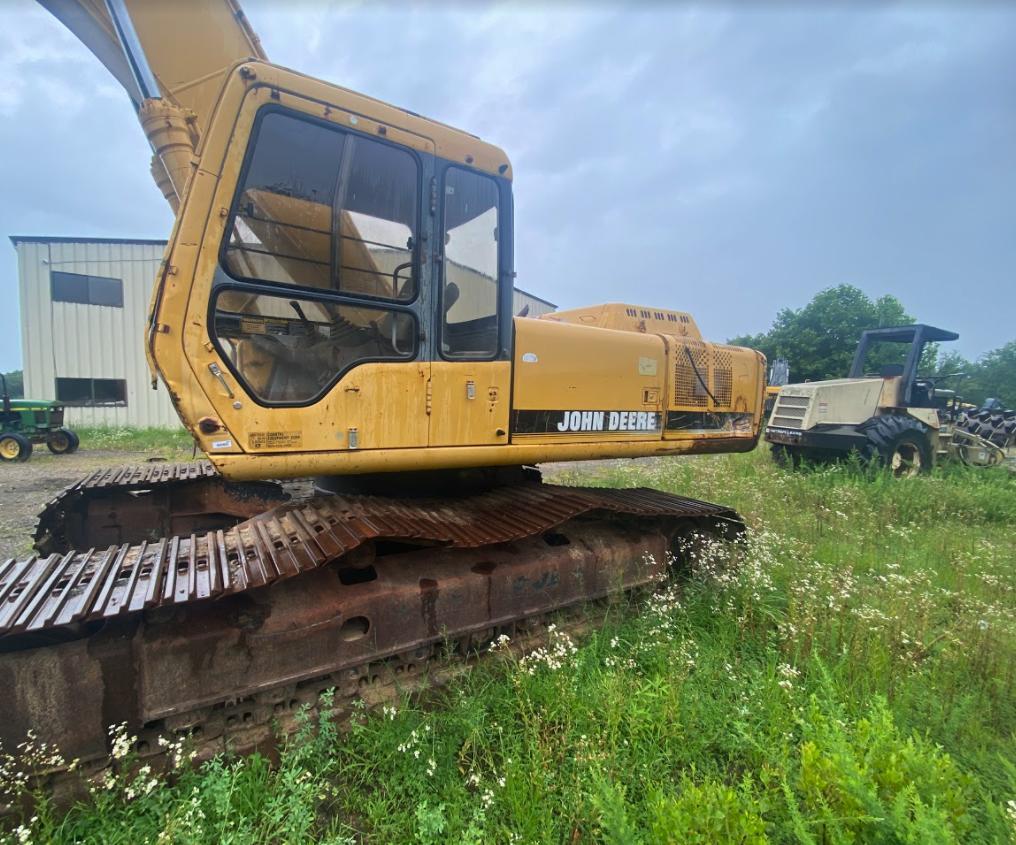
327,209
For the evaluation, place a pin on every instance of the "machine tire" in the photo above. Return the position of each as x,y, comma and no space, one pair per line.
14,448
62,441
786,456
900,444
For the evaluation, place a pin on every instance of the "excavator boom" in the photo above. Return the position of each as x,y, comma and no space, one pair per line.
171,64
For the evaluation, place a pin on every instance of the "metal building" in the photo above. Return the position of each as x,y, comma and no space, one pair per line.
84,303
84,306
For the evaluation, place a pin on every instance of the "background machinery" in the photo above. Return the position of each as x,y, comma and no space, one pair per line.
896,416
779,375
333,313
27,421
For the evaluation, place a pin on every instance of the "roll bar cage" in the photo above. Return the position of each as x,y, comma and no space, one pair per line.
916,335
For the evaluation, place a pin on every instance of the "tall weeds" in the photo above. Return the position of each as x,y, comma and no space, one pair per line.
844,674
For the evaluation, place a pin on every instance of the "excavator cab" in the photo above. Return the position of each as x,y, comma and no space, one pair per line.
332,253
336,300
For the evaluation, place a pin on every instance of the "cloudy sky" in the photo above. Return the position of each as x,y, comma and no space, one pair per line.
727,160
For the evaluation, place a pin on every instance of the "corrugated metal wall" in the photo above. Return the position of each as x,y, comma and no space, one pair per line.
73,340
537,306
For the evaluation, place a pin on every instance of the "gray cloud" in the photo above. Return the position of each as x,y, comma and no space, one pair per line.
724,160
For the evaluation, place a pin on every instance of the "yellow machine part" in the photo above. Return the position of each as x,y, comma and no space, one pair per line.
613,380
190,55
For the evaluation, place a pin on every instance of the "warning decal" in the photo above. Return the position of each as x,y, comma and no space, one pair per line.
275,439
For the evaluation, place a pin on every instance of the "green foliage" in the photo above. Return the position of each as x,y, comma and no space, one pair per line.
702,814
819,340
996,374
167,440
991,376
845,674
225,800
15,384
865,781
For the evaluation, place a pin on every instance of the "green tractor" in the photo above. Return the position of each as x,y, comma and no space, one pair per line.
27,421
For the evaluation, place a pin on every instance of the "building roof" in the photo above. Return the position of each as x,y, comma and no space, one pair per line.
49,239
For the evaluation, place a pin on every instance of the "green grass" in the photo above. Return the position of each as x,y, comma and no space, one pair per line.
848,674
135,439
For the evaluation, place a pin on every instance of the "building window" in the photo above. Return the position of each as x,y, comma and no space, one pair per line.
86,290
92,391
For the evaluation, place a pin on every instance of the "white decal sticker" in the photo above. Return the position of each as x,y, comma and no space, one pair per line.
529,358
609,421
647,366
222,444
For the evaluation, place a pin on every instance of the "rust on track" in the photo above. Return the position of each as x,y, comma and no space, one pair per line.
41,592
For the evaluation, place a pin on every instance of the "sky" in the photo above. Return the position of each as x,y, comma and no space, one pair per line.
728,160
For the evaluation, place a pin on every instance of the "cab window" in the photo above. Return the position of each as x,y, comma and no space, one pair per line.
327,209
469,289
331,215
288,350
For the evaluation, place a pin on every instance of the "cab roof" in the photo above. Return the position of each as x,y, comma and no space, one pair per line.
906,334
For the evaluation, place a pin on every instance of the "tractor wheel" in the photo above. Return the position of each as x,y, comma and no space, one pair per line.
62,441
786,456
14,447
899,443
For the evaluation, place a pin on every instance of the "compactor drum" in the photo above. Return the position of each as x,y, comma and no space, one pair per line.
333,322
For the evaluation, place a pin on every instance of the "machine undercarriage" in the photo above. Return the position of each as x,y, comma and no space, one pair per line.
205,631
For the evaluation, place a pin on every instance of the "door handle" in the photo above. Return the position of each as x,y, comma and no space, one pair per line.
214,369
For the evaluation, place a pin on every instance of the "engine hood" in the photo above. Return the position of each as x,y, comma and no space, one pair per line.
843,401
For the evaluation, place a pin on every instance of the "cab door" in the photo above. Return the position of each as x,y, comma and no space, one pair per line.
314,315
471,370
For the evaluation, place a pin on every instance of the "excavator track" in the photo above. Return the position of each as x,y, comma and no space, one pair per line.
157,499
220,634
54,591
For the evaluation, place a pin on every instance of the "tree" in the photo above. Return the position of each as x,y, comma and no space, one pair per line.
997,374
15,384
819,340
992,376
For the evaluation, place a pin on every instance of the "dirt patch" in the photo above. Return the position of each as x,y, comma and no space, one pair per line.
25,488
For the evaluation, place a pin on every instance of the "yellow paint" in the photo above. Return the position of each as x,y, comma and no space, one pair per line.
458,420
630,318
584,368
384,402
244,468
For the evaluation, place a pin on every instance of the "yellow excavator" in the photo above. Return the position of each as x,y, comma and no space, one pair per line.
333,321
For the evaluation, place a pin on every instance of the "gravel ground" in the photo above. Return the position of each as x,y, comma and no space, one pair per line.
25,488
